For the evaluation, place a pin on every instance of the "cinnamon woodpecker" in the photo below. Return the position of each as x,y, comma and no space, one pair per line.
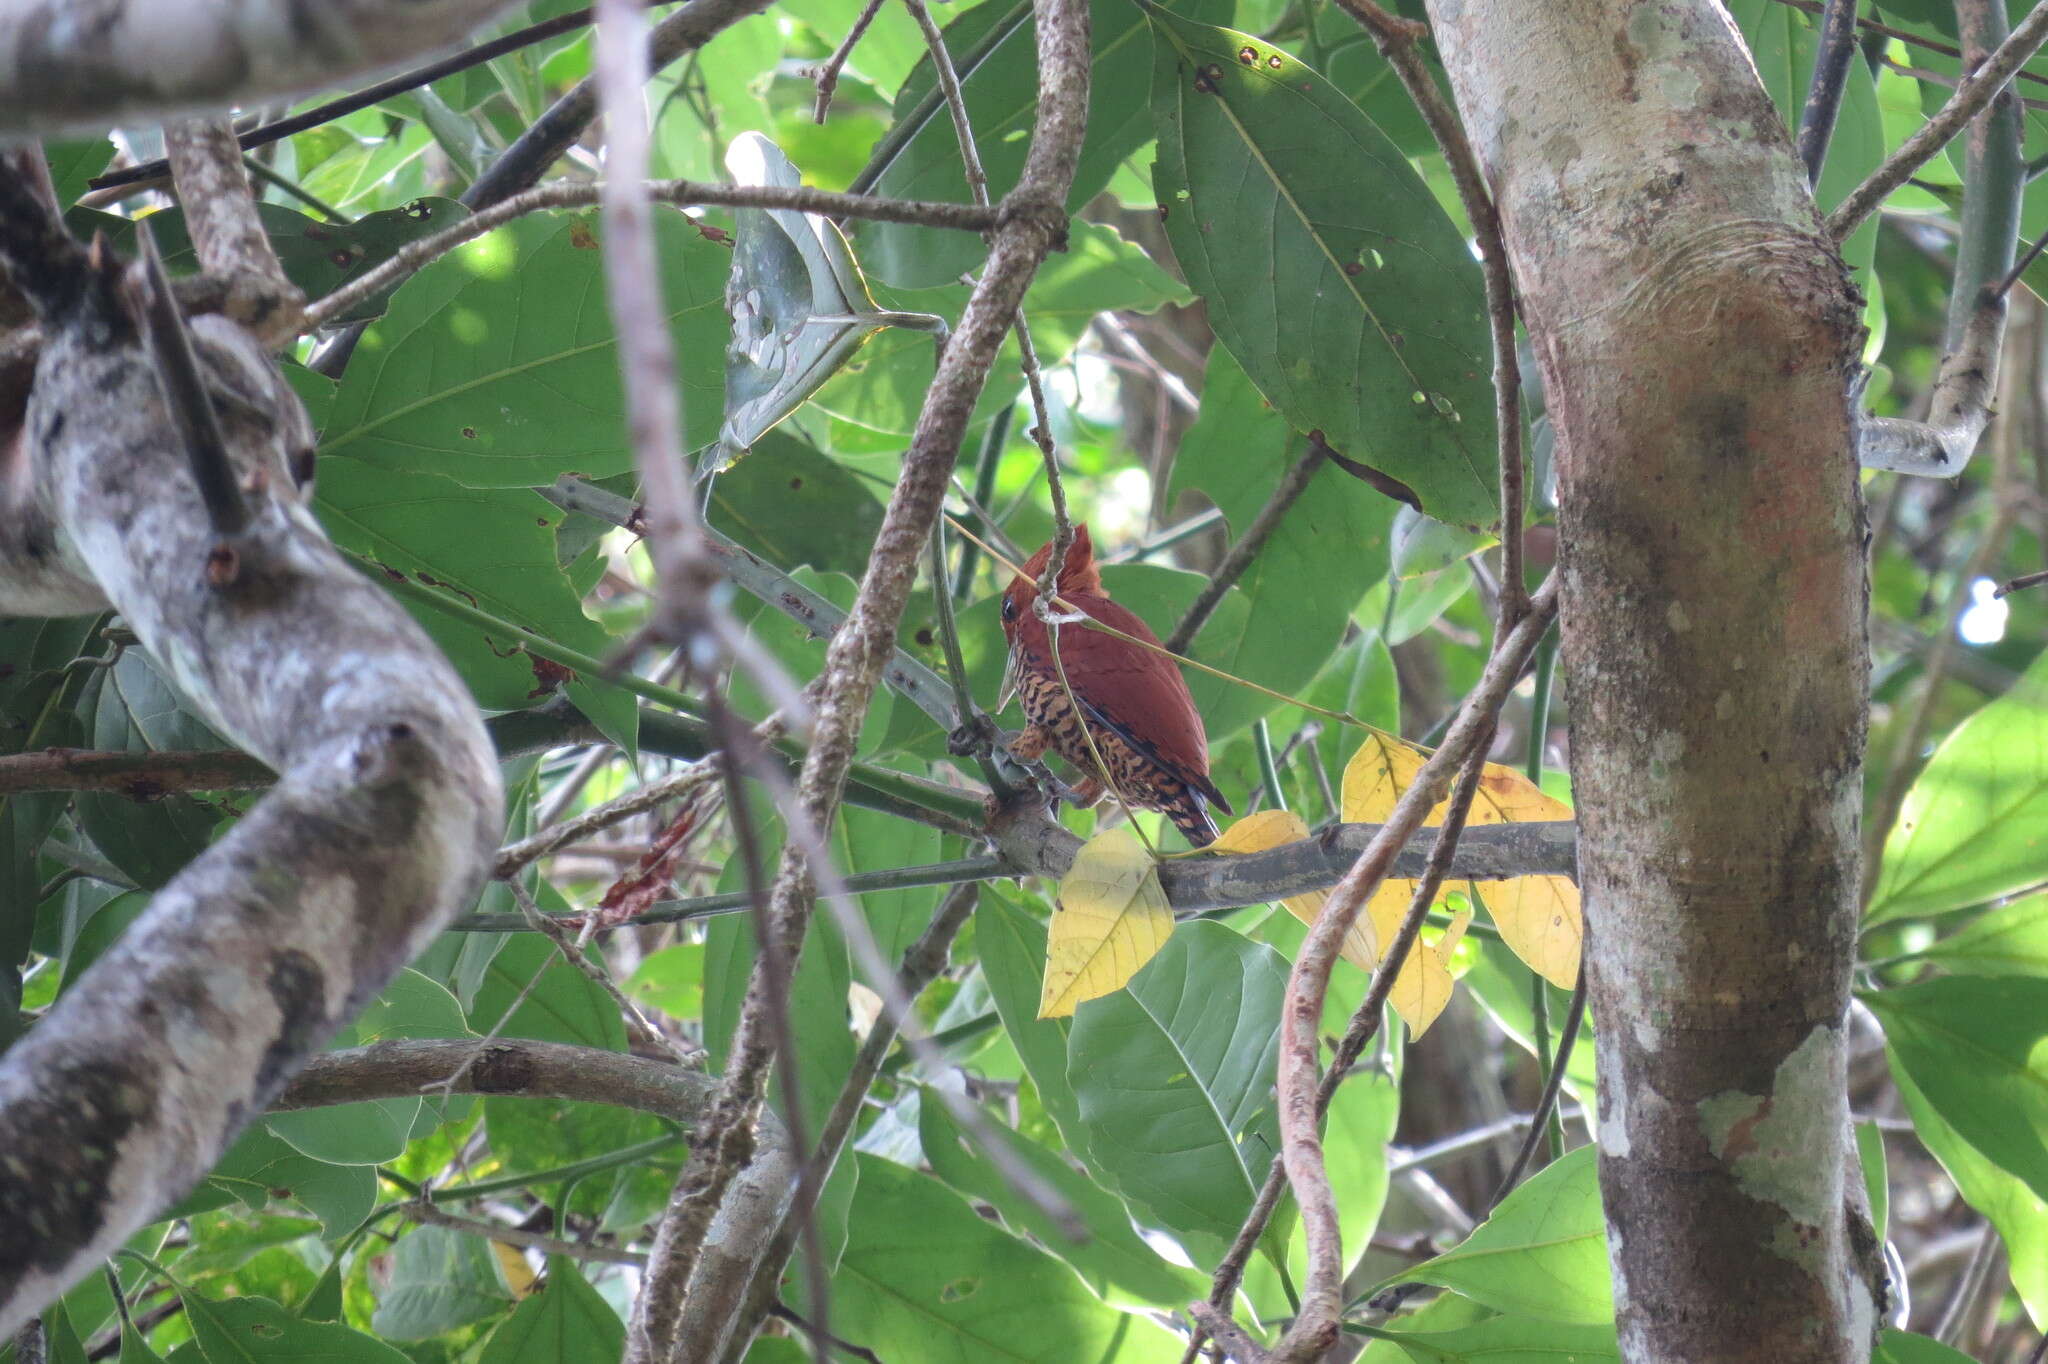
1134,702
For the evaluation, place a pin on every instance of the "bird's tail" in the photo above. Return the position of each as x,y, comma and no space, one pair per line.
1190,814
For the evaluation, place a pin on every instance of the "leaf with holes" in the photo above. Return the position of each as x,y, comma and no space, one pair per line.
1330,271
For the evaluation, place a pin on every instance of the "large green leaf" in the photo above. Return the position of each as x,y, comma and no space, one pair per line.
1174,1077
1510,1340
251,1328
1012,945
1112,1258
924,1278
1969,830
1543,1252
260,1168
2020,1214
1903,1347
567,1322
376,1130
1974,1046
493,549
793,506
1330,547
439,1279
496,365
1329,269
529,991
994,51
2010,940
883,390
136,711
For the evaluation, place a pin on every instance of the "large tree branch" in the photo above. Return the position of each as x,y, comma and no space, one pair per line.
1695,329
66,64
379,831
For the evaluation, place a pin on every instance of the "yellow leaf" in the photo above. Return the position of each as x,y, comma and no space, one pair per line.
1538,916
1423,985
519,1275
1112,917
1374,779
1265,829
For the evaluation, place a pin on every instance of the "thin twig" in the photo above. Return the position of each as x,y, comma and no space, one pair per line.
678,193
775,947
1364,1026
1552,1084
428,1215
956,104
1816,8
265,134
1322,1300
922,963
827,72
1397,41
1253,539
1031,223
2021,387
515,857
1971,98
1235,1342
782,1312
572,952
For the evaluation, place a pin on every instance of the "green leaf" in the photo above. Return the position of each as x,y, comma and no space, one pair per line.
1174,1076
136,710
375,1130
562,1004
74,162
1969,829
1112,1259
791,505
1510,1340
1329,548
924,1278
994,50
496,365
1012,945
567,1322
1973,1044
671,979
1900,1347
262,1167
2019,1214
1099,271
493,549
2011,939
1370,330
248,1329
440,1279
1543,1252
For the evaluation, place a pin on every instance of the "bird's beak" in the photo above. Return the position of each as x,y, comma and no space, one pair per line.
1009,687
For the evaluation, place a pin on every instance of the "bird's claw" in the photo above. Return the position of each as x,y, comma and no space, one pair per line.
976,736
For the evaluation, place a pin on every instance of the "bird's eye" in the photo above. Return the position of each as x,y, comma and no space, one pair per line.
1009,609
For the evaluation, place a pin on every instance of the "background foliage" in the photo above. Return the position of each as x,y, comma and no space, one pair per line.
1221,294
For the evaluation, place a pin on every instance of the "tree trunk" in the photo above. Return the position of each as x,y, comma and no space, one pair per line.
1696,330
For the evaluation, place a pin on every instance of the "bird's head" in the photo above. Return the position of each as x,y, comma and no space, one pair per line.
1021,625
1078,577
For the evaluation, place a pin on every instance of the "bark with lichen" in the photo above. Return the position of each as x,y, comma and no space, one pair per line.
1697,330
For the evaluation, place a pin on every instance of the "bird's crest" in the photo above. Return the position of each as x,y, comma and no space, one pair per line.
1079,575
